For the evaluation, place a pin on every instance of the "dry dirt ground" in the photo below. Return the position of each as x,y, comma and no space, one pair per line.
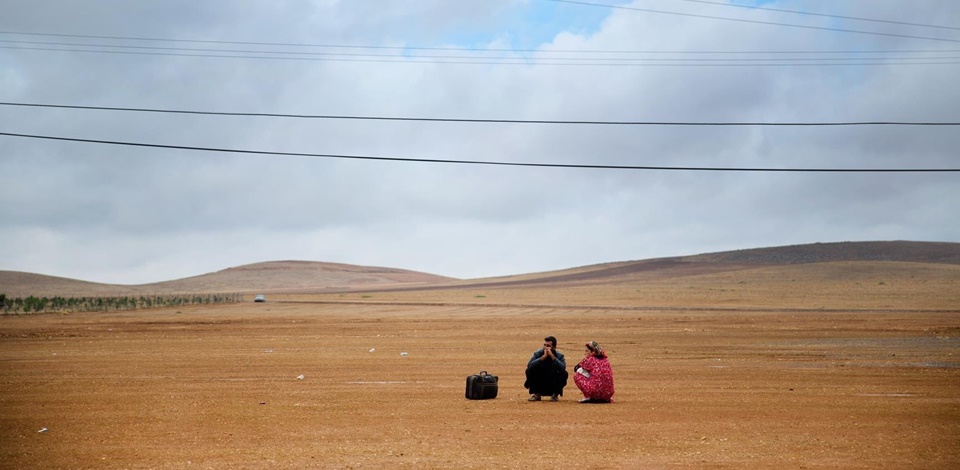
219,387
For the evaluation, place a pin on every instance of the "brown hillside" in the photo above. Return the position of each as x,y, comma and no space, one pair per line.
919,252
266,277
20,284
278,276
712,263
315,277
866,285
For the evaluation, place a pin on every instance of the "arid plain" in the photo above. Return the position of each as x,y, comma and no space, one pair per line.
845,363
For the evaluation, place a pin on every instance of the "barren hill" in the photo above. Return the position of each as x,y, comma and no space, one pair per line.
266,277
307,276
277,276
21,284
937,253
916,252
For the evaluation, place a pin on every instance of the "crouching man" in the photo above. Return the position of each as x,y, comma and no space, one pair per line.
546,372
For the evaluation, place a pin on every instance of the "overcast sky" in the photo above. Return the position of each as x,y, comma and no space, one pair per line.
132,215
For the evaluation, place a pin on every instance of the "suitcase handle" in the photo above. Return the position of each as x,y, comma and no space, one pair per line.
482,372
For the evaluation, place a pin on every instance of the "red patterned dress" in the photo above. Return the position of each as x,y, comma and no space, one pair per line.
599,385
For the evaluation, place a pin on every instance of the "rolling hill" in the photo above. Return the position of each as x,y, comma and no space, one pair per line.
319,277
935,253
271,276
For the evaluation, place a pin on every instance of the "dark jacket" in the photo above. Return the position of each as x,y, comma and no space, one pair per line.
559,363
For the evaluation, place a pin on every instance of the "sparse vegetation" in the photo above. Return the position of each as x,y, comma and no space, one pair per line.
35,304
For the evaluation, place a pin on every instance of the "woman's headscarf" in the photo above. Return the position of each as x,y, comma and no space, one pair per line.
597,350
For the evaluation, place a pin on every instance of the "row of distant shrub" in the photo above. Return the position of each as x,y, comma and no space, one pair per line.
34,304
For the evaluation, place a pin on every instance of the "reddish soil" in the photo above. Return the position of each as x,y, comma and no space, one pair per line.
218,387
736,363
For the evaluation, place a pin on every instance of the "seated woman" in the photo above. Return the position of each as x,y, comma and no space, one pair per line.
593,376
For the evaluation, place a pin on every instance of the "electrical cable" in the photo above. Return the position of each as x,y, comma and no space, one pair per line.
821,15
414,60
494,121
528,58
485,162
743,20
462,49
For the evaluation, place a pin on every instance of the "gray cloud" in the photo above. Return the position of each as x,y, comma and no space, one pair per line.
131,215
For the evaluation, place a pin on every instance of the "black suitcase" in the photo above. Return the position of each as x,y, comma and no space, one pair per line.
482,386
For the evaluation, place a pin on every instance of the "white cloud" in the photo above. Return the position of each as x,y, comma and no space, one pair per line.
133,215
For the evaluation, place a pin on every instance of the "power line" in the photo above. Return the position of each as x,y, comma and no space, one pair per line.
821,15
490,163
257,43
494,121
743,20
497,58
521,62
465,49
